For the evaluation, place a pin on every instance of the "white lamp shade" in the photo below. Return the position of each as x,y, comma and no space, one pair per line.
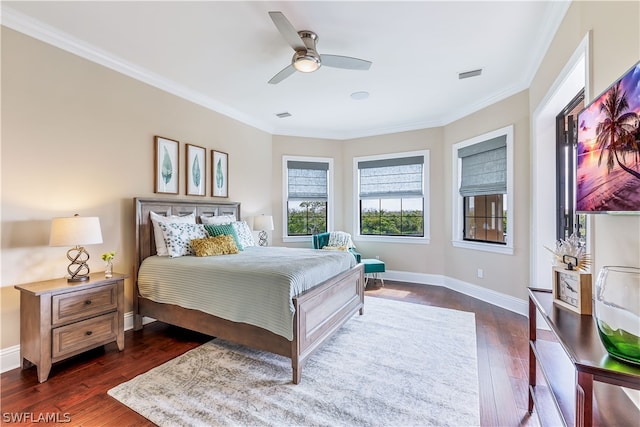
75,231
263,222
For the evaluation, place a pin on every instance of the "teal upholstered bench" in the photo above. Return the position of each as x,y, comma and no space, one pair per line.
372,267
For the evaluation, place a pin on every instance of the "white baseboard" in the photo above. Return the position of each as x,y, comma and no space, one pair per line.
10,357
507,302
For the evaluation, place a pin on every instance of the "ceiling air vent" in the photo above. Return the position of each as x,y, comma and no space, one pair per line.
283,115
468,74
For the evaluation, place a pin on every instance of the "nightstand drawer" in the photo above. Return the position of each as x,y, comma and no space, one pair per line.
84,335
83,304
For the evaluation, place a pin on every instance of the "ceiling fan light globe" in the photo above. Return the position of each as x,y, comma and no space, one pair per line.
306,63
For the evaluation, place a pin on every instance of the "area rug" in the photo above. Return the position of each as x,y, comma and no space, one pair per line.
399,364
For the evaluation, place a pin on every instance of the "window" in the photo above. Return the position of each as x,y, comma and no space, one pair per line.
567,220
482,200
307,189
391,196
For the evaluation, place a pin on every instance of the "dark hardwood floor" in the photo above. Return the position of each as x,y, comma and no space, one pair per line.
76,391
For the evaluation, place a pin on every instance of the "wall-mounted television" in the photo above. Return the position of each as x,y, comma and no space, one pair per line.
608,152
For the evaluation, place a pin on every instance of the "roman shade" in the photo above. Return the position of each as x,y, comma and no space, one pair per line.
391,178
307,180
484,167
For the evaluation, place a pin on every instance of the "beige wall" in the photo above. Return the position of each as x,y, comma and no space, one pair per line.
615,47
78,138
311,147
507,274
413,258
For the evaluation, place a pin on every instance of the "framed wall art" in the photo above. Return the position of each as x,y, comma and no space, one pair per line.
196,170
166,169
220,174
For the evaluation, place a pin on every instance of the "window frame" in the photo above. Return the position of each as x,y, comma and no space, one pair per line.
457,208
285,193
425,199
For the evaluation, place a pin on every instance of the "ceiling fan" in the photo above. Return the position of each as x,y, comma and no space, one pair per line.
306,58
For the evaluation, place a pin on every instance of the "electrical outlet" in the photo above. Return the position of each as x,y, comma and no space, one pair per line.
480,273
377,257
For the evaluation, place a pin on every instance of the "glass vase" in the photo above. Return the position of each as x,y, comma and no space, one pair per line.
617,311
108,271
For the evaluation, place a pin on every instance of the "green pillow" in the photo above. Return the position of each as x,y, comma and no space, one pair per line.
223,230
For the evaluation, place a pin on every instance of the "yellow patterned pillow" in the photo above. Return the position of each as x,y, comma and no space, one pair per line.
335,248
218,245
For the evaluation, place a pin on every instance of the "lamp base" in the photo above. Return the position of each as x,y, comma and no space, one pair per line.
263,238
78,269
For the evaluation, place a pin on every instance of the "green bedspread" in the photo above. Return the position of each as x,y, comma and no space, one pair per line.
255,286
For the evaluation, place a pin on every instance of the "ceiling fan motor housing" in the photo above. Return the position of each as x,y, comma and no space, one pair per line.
307,61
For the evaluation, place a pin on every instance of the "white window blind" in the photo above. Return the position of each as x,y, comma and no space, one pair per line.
307,180
391,178
484,167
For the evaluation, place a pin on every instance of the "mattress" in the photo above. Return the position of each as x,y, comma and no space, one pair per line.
255,286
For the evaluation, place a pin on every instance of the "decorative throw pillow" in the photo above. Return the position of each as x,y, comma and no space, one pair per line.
178,237
217,220
156,219
335,248
224,229
340,238
212,246
245,235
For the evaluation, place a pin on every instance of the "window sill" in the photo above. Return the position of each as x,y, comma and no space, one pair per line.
485,247
394,239
297,239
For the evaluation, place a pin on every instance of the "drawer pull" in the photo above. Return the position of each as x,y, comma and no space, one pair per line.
87,302
88,333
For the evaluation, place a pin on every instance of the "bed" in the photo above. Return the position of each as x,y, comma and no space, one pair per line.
317,313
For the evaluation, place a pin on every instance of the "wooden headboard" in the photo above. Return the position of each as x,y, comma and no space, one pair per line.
145,242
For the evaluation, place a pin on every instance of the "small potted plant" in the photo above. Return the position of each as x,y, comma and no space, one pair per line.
108,258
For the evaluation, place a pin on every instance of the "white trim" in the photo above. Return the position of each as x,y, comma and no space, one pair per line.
40,31
10,356
285,194
498,299
574,76
426,239
17,21
457,201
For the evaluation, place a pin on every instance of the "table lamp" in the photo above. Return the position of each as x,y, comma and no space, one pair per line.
263,223
76,231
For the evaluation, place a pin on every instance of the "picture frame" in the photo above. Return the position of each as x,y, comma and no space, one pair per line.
167,168
572,290
219,174
196,167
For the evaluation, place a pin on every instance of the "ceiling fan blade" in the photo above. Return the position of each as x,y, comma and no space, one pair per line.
283,74
288,32
337,61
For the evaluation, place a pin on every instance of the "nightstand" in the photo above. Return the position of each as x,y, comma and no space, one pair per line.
59,319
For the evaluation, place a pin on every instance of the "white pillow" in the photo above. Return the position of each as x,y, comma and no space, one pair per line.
245,235
161,247
340,238
217,220
178,237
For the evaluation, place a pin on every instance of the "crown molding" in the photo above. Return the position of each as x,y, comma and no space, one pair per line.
47,34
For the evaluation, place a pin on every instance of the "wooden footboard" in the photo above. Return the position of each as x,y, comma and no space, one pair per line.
319,312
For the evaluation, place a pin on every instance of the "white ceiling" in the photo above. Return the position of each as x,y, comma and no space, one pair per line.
221,54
